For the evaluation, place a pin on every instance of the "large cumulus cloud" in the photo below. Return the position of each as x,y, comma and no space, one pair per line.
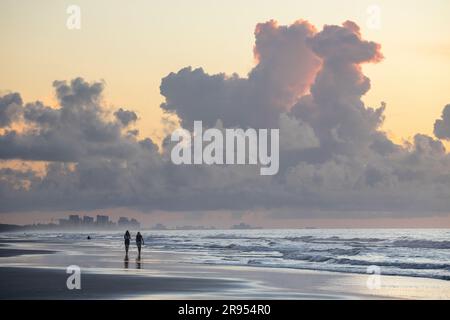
334,158
285,69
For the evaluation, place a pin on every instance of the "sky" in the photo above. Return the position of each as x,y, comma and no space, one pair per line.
131,49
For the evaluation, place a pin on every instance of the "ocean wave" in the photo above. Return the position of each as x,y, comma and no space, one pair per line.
356,262
424,273
333,239
400,265
241,248
306,257
338,251
424,244
223,236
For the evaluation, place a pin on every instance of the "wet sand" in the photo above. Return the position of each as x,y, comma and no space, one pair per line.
6,252
40,283
37,270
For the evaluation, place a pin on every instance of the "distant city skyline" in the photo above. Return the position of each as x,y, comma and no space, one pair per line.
85,222
101,221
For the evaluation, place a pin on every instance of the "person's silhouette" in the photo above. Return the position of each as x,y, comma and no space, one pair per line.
139,243
127,238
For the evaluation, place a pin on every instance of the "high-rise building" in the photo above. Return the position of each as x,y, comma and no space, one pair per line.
102,220
74,220
88,221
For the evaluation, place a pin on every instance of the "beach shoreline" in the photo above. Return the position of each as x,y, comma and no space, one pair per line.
164,275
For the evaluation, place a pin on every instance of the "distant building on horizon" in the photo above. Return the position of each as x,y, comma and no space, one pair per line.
159,226
102,221
88,221
74,220
194,228
124,222
243,226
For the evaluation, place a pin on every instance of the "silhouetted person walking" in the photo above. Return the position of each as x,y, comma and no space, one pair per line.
139,243
127,238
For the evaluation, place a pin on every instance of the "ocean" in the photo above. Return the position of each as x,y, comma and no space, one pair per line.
406,252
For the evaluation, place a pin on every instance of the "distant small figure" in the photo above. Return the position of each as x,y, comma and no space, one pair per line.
139,243
89,237
127,238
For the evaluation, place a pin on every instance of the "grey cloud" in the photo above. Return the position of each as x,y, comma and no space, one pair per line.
40,114
10,105
78,93
126,117
334,108
442,126
344,45
295,134
424,144
77,129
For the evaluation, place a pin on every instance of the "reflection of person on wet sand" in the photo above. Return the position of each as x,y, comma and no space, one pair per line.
139,243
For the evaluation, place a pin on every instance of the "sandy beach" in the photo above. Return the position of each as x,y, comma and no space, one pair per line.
37,270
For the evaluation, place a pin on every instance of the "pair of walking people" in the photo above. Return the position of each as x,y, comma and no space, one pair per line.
139,243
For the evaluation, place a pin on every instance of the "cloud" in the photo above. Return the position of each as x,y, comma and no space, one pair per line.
334,158
442,126
334,108
77,129
9,108
126,117
285,68
295,134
